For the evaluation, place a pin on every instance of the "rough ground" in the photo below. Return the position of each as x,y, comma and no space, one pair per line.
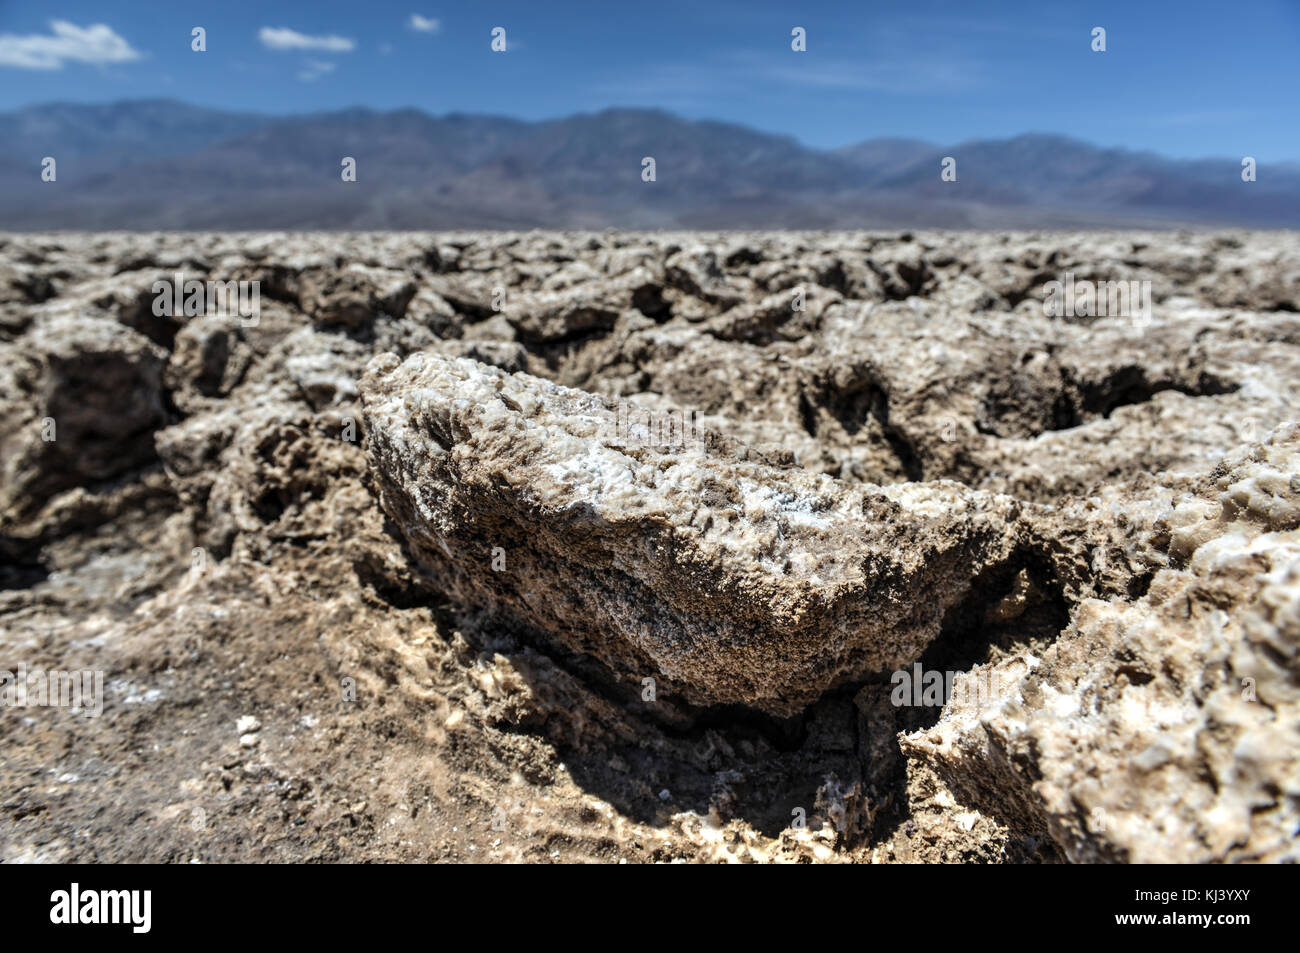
378,576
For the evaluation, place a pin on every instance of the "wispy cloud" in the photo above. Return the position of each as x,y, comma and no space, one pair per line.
66,43
314,70
282,38
424,24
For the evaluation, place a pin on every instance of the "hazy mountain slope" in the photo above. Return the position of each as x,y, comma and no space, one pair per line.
164,164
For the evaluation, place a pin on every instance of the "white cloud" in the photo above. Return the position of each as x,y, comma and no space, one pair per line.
315,69
282,38
68,43
425,24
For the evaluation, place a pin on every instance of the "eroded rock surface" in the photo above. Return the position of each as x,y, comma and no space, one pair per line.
387,521
1161,729
735,580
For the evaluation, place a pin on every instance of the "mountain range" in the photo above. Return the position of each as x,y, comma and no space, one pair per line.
162,164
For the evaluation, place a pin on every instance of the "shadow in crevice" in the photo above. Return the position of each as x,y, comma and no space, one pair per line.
1041,395
649,757
1013,608
837,762
856,405
20,567
1129,385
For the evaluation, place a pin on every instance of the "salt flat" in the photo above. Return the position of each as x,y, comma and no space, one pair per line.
415,506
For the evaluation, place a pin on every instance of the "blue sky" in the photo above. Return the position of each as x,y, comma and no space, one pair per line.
1188,78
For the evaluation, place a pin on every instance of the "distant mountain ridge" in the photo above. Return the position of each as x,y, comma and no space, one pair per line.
165,164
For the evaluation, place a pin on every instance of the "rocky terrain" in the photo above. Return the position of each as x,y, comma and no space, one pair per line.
664,547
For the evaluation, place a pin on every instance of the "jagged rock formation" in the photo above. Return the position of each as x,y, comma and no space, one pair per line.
1162,729
55,381
412,517
732,578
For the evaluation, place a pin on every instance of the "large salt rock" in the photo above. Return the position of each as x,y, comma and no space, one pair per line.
732,575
